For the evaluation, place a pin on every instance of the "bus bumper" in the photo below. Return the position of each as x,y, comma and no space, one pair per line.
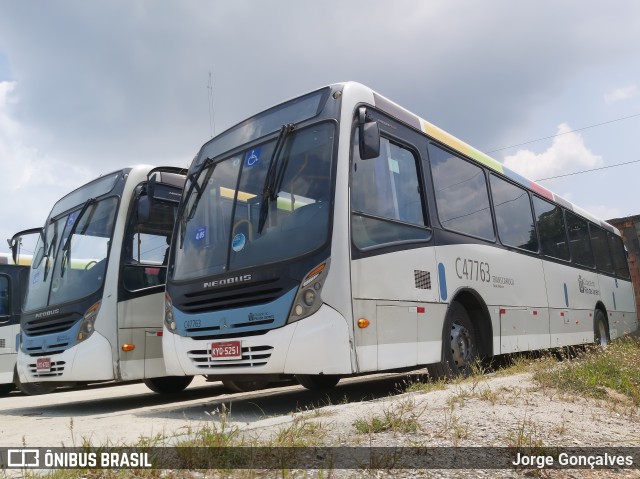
88,361
314,345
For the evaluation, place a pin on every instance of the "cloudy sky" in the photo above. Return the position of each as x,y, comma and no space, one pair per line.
89,87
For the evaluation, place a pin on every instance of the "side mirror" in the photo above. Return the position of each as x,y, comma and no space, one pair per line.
369,136
144,209
16,242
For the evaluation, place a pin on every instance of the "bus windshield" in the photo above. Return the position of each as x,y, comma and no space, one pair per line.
265,204
71,261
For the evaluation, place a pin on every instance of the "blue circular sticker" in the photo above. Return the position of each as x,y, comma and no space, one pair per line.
238,242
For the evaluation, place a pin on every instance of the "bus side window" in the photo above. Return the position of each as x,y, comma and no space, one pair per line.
514,216
462,198
553,237
604,263
580,241
386,199
147,247
4,297
620,264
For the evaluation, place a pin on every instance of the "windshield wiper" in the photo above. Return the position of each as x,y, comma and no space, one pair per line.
66,249
187,215
48,255
269,191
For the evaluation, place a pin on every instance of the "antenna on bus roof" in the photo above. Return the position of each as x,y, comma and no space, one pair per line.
212,121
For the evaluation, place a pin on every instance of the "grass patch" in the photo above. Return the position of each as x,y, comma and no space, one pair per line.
596,372
402,418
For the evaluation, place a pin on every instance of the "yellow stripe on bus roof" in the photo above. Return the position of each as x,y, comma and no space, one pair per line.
460,145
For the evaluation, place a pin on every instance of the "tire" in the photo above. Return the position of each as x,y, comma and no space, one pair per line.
244,386
32,389
6,388
168,384
459,346
317,382
600,329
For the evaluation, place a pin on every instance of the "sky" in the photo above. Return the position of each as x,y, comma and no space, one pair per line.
547,88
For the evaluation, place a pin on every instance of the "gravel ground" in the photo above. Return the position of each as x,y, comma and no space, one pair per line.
490,410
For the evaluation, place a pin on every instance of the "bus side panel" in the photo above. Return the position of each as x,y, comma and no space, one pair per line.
512,286
388,290
617,297
140,324
575,293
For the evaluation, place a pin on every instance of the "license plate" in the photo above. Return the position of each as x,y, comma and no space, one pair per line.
43,365
226,350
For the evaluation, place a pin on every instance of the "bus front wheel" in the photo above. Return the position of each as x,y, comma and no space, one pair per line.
32,389
459,346
601,332
317,381
168,384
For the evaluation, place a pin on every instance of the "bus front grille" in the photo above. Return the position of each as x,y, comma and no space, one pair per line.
214,331
50,325
253,356
233,296
57,368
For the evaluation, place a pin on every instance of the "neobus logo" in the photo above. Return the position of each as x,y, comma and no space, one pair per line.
226,281
46,314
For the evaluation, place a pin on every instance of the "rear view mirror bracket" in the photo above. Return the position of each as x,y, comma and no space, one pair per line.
369,136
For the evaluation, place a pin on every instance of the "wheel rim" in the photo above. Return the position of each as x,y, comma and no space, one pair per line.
461,345
602,334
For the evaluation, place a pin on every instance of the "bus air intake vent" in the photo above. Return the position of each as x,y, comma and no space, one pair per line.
50,325
2,343
236,296
422,279
253,356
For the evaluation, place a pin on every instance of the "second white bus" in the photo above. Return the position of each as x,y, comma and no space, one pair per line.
94,303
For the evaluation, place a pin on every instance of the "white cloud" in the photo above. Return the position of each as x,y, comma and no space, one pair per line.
605,212
31,181
567,154
621,94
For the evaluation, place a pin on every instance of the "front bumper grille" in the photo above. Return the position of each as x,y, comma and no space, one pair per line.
252,356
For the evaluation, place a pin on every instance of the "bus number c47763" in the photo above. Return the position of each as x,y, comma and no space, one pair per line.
473,270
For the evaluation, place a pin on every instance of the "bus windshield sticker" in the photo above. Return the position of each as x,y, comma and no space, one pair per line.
201,233
252,157
238,242
394,166
72,218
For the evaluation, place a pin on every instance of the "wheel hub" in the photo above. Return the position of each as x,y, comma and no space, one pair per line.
460,345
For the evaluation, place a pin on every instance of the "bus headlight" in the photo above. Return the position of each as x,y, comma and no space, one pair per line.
169,320
308,299
88,322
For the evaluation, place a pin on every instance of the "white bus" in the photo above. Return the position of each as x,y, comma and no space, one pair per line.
95,296
13,279
339,234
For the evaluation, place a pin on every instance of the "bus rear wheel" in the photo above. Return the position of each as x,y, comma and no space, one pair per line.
600,329
316,382
459,346
168,384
